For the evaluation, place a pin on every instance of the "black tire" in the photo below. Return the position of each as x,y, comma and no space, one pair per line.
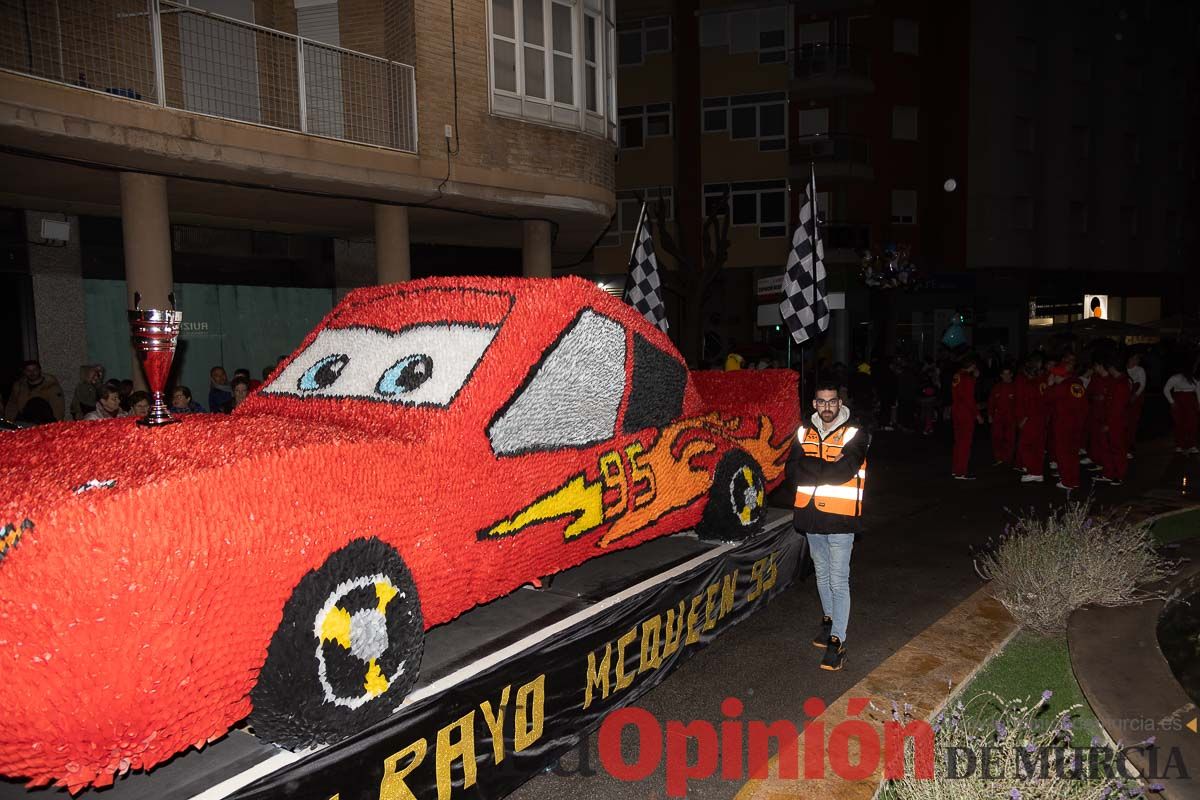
737,500
320,688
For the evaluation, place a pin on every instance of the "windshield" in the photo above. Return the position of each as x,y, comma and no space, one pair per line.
424,365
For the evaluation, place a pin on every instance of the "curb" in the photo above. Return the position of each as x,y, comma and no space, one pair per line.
921,673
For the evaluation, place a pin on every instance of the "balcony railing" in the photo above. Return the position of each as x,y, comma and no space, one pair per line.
831,147
172,55
820,60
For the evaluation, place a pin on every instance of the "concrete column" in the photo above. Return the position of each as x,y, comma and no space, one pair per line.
535,249
146,231
58,305
391,244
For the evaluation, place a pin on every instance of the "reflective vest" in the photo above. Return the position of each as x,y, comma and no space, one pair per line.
844,499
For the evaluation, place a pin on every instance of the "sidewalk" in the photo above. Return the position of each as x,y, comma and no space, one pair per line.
909,571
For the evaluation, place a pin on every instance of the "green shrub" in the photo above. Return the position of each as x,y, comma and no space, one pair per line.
1045,568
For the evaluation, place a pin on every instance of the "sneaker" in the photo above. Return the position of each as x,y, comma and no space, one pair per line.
1179,450
1101,479
822,638
998,463
1021,470
1032,479
1191,451
1084,461
1115,482
1129,456
964,477
1061,485
1054,466
835,654
1095,468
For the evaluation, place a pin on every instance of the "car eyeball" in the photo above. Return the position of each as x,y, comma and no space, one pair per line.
323,373
405,375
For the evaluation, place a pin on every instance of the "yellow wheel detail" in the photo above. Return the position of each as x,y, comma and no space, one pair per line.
336,627
385,592
376,684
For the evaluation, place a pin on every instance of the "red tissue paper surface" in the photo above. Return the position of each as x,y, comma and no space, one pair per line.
488,431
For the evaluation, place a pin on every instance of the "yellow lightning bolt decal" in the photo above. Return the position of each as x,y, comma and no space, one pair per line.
579,499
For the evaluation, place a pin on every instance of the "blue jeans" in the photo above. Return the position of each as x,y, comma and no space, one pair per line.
831,562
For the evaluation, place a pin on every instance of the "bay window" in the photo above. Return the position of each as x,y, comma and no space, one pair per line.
551,61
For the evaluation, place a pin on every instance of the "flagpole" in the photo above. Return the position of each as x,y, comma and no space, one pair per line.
637,233
812,176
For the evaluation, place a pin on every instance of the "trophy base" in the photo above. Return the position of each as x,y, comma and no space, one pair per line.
154,422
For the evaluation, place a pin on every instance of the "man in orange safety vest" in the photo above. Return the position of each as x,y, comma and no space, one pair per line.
828,467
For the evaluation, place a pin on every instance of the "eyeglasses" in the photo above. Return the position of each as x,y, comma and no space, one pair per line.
827,403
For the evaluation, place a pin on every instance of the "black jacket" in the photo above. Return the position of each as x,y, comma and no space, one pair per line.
805,470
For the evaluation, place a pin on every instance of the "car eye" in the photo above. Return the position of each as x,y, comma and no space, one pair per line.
323,373
405,375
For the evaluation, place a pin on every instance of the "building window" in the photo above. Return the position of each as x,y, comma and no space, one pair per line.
714,30
1023,135
904,206
1079,217
551,61
640,122
759,116
638,38
629,208
715,114
906,36
904,123
772,35
1023,213
763,30
761,203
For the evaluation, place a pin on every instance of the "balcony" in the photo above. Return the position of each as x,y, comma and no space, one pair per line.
171,55
844,242
834,156
825,70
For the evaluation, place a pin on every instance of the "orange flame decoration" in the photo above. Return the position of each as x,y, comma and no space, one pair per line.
674,481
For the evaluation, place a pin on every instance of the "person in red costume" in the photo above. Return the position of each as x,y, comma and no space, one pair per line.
1183,394
1031,421
1137,377
1070,402
1097,394
1115,464
1002,414
964,412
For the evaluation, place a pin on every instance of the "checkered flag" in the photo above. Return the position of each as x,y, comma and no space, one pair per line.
804,308
643,289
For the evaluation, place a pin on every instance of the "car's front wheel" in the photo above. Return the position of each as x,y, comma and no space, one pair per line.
737,500
346,652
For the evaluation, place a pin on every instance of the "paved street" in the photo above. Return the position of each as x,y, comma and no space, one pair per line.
910,569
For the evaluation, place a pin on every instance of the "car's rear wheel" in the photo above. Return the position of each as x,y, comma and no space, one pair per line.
737,500
346,652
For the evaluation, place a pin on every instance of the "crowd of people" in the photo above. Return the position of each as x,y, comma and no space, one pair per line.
1065,414
37,397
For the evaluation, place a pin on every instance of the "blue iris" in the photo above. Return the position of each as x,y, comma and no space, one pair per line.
323,373
405,375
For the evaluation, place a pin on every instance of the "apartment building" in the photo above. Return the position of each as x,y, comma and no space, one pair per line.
294,144
1084,168
734,105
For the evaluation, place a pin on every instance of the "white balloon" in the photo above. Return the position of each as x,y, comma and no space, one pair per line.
950,185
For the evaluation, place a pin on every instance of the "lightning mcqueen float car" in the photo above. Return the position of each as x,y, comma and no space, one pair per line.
431,446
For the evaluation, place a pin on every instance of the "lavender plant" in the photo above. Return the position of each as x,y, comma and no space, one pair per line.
1043,569
1028,754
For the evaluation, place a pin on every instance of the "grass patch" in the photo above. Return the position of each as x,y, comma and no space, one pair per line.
1029,665
1177,527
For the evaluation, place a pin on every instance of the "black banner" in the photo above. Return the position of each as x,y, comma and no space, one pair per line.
486,735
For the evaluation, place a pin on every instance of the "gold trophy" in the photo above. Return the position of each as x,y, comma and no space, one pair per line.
155,332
